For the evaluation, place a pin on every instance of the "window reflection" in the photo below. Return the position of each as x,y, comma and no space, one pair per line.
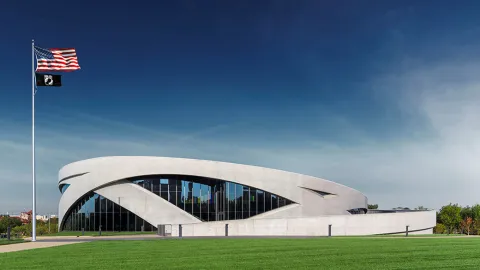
214,200
64,187
93,212
204,198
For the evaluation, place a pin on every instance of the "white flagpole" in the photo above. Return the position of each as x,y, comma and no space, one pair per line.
34,212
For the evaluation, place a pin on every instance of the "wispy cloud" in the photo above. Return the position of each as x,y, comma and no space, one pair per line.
438,166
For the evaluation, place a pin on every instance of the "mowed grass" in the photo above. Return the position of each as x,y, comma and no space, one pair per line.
11,241
411,235
313,253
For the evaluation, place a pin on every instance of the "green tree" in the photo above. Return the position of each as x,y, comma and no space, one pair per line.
475,210
3,224
439,228
53,225
6,221
476,227
466,212
372,206
21,230
450,217
467,225
42,229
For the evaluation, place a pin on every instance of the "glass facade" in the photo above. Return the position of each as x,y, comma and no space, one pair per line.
205,198
211,199
357,211
64,187
94,211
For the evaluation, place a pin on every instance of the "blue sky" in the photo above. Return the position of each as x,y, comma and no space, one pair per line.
381,96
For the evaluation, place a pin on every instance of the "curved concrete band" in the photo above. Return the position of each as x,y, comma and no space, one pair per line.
316,200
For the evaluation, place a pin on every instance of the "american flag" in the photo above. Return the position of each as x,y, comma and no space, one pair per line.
56,59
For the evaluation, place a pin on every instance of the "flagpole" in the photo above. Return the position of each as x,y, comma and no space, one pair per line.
34,212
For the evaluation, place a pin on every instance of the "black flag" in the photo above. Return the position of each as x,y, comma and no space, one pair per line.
48,79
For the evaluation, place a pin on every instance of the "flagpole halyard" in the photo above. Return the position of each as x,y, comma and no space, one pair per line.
34,206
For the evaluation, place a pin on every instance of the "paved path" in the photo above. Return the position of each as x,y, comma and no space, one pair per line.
53,241
32,245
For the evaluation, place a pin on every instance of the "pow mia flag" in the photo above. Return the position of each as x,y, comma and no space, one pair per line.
48,79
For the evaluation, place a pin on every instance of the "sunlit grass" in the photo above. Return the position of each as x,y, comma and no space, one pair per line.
229,253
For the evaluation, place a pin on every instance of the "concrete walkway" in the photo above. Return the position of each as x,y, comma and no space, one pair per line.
32,245
53,241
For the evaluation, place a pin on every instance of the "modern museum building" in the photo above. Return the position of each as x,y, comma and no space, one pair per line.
136,193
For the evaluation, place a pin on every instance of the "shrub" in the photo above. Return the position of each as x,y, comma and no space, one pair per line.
439,228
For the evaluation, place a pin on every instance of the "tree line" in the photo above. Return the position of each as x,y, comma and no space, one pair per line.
452,218
20,229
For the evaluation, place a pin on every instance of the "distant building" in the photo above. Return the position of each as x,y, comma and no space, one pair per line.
26,217
42,217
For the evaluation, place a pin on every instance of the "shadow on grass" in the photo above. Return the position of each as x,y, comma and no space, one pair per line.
12,241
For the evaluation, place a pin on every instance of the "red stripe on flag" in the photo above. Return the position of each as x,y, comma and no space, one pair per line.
64,59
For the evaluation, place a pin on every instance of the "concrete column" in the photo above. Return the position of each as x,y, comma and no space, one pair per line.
329,230
9,229
180,230
226,229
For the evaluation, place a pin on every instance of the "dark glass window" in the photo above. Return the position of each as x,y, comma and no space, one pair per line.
196,199
253,201
204,191
238,201
64,187
164,189
147,184
246,202
172,191
231,201
156,188
93,211
268,201
260,201
205,198
357,211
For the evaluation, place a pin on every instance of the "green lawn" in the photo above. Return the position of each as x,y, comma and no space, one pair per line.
12,241
96,233
403,235
318,253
